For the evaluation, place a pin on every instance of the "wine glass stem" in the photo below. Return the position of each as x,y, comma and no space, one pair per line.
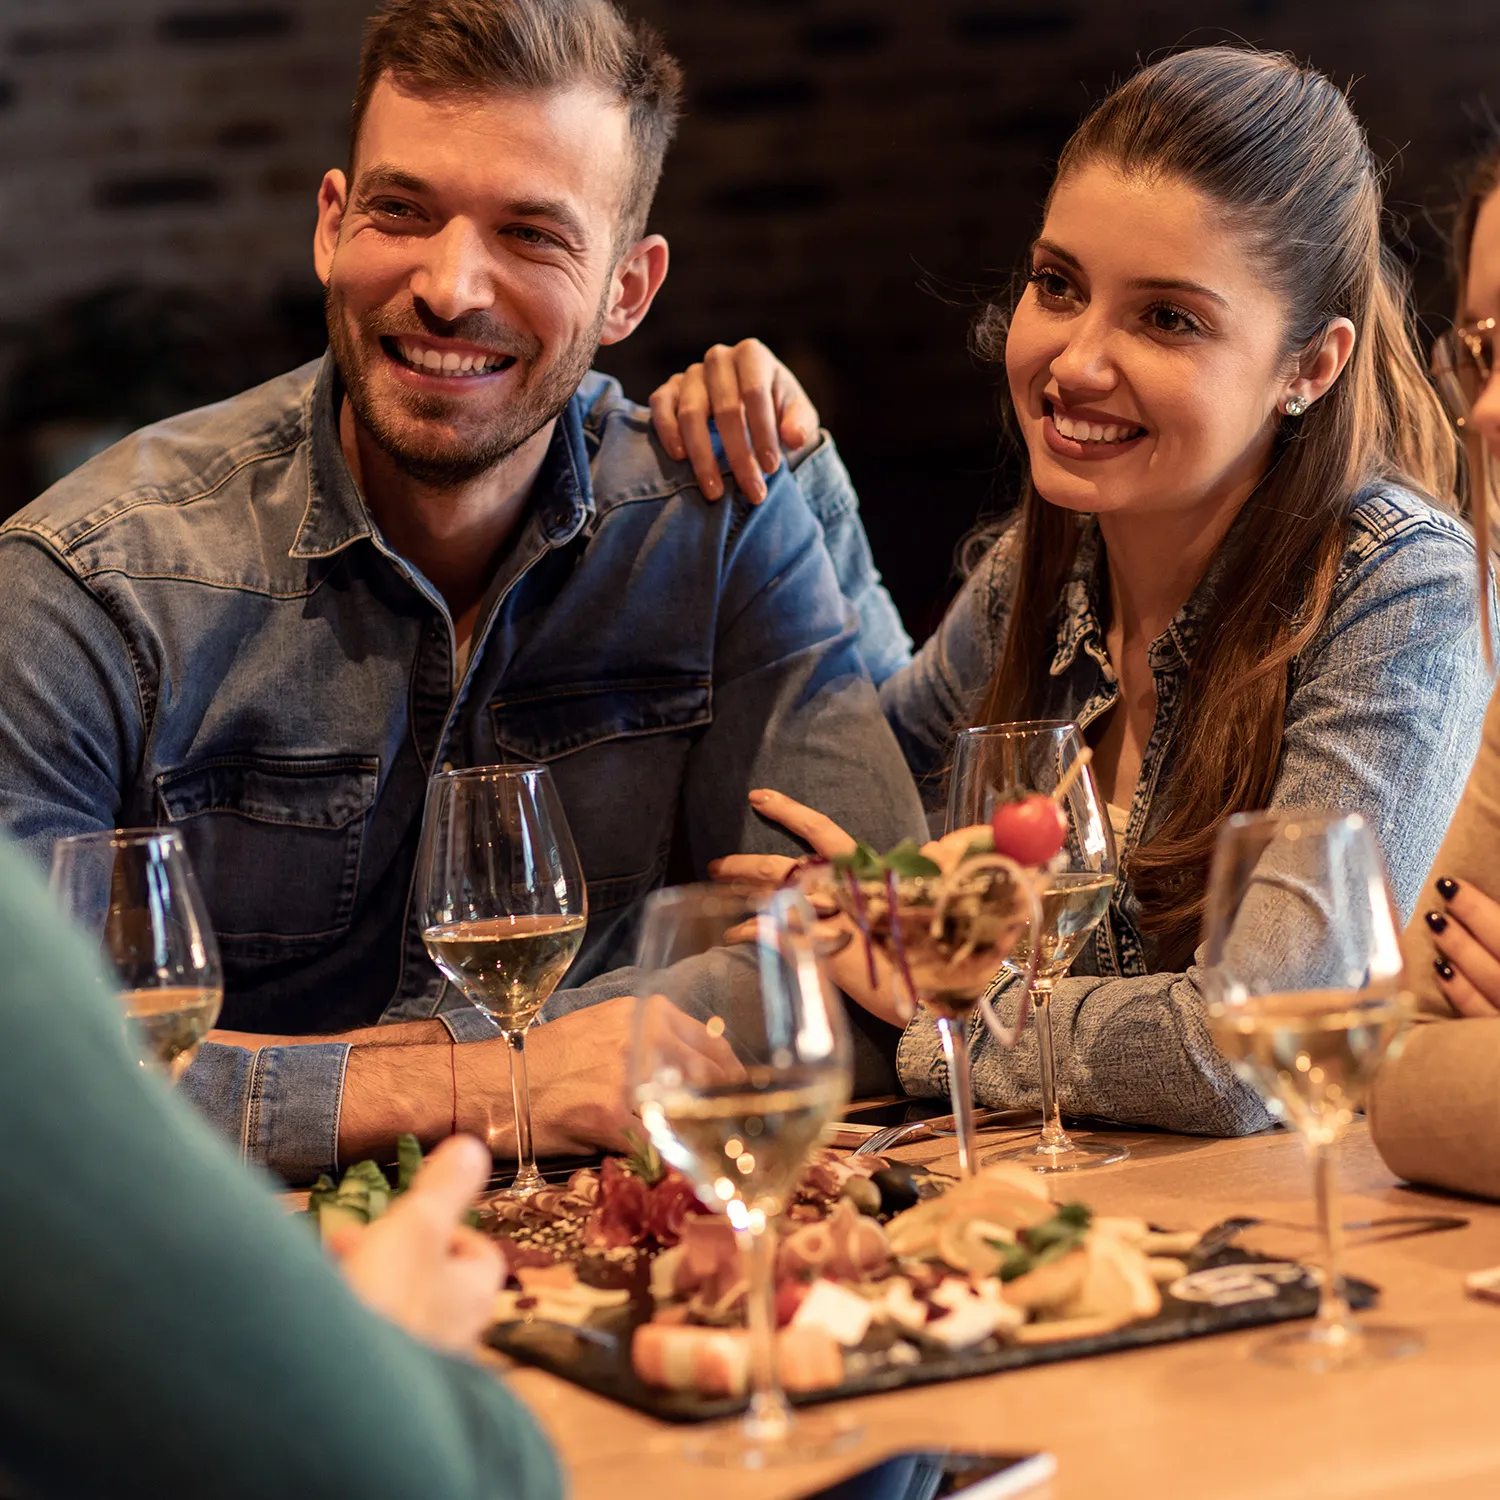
769,1418
955,1035
1054,1137
1334,1321
520,1096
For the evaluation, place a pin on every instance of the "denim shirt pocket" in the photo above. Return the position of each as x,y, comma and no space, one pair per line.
631,736
275,842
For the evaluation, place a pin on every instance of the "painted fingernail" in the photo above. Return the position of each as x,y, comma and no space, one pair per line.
1436,920
712,488
1446,888
770,460
1443,967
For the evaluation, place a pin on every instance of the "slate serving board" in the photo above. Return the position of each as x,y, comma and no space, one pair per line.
597,1357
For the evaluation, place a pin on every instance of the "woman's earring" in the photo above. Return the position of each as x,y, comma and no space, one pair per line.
1295,406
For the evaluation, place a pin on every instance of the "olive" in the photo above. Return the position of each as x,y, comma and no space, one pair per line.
863,1194
901,1185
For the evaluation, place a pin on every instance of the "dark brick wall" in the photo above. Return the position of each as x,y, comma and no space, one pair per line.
849,172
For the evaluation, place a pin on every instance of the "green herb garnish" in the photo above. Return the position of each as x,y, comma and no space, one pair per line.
906,861
364,1193
1045,1242
644,1160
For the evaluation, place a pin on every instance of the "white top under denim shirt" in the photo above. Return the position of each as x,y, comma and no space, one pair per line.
1383,717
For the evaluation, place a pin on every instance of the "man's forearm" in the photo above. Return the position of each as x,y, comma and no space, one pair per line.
423,1088
398,1034
302,1105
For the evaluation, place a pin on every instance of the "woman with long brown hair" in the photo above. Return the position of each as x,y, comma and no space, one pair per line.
1234,564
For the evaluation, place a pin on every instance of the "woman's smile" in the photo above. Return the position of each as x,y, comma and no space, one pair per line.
1088,434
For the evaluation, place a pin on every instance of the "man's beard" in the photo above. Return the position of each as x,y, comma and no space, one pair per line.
430,460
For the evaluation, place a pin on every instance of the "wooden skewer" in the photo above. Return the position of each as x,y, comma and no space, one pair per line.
1071,775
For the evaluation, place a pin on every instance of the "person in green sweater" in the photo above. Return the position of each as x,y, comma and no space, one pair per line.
167,1330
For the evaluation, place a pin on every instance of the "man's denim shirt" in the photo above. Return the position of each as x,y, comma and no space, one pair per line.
206,629
1383,717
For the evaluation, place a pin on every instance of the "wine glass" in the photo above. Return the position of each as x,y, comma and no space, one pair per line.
942,933
990,765
134,889
742,1120
1305,996
502,906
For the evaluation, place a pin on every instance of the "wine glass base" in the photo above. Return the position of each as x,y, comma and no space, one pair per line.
804,1439
1345,1346
522,1185
1069,1156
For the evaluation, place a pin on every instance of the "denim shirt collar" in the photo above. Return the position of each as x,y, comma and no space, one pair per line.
562,499
1080,625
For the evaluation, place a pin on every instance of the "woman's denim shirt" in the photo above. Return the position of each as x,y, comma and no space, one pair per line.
1383,717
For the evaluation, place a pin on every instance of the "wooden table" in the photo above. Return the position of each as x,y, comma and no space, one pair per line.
1193,1419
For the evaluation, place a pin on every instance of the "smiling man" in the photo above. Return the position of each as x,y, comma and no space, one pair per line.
269,621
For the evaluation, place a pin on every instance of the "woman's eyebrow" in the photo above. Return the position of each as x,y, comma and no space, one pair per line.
1172,284
1052,248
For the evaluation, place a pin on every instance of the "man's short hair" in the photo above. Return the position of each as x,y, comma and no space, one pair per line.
480,46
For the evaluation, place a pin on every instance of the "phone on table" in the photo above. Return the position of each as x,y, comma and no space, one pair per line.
944,1474
861,1119
894,1109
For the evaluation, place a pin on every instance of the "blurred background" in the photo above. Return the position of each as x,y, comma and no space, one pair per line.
851,176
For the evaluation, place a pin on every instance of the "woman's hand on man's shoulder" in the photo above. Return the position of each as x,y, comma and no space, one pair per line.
755,402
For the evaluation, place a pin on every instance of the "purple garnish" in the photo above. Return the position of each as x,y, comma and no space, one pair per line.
862,921
898,944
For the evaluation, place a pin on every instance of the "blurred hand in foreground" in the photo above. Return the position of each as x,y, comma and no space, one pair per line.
419,1265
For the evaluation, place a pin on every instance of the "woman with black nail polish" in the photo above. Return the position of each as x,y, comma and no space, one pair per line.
1435,1111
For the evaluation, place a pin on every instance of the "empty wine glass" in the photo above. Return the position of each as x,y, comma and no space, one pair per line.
997,762
502,906
133,888
1305,992
741,1118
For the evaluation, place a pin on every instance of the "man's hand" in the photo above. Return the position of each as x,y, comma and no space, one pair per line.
419,1266
754,400
577,1065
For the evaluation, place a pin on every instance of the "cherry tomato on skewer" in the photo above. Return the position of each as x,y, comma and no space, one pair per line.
1030,830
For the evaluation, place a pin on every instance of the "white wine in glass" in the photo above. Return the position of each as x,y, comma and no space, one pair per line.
1305,997
134,890
741,1116
503,907
999,761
